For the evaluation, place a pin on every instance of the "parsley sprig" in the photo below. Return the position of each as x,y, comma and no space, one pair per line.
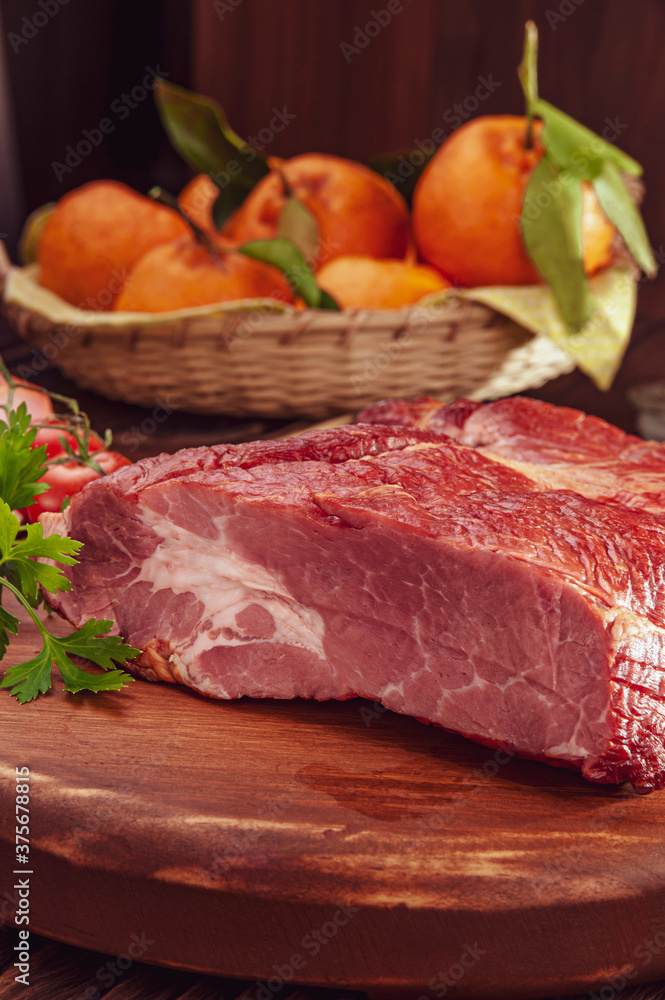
21,465
24,574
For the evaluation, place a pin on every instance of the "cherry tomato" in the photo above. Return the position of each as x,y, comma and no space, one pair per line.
109,461
51,434
39,405
69,478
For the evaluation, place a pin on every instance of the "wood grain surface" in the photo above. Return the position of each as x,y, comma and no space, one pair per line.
344,845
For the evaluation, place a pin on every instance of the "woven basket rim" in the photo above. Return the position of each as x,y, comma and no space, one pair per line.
20,291
20,288
17,282
289,363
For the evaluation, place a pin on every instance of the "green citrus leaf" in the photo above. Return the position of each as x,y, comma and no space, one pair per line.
286,256
296,223
199,130
28,243
552,233
328,302
619,209
576,148
404,168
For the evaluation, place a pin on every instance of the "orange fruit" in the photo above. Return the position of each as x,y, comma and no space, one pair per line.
358,282
357,210
94,238
196,200
183,273
468,202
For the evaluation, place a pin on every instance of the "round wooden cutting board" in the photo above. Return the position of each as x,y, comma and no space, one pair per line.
330,843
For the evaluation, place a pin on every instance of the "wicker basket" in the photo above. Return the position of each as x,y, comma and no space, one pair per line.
263,359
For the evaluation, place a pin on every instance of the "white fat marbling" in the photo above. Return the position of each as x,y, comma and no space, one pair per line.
225,584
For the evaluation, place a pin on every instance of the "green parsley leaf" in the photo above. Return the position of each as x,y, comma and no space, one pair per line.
21,465
29,679
8,624
19,560
9,529
23,574
92,642
30,563
33,545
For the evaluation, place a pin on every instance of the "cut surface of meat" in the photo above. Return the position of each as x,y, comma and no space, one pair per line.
436,560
